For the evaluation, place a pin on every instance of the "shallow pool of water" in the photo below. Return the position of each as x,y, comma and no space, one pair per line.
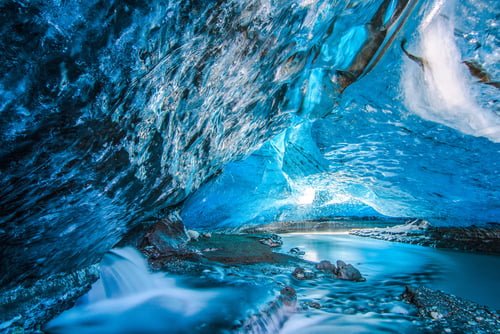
373,306
130,299
472,276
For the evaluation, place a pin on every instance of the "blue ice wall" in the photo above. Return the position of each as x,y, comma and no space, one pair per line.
429,149
112,112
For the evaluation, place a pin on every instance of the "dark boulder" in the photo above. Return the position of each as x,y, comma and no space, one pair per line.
272,241
288,296
302,274
296,251
315,305
348,272
326,266
165,238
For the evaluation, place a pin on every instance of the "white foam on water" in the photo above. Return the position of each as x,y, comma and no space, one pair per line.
442,91
129,299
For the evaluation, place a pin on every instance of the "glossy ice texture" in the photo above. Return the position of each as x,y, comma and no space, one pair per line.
113,111
405,140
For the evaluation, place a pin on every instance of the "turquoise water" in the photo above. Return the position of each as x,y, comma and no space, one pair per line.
468,275
372,306
130,299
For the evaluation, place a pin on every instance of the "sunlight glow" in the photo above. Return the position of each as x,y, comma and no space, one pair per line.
307,196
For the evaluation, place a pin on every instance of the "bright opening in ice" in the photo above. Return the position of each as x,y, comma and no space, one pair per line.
307,196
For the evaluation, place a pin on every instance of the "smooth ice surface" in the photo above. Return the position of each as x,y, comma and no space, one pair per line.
407,139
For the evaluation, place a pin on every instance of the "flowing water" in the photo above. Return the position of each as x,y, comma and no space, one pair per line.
130,299
371,307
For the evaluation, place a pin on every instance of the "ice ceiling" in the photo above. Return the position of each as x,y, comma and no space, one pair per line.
113,113
406,140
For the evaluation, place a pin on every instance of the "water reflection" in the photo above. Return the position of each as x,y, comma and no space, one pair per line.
468,275
130,299
374,306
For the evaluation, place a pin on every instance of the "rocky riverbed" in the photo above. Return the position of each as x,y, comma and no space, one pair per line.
445,313
484,238
262,282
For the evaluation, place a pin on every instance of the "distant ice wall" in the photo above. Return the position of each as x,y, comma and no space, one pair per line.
404,140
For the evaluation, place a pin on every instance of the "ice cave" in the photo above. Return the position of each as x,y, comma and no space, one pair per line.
249,166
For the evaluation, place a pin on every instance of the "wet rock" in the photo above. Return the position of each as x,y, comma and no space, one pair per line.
447,313
326,266
165,244
164,238
288,295
484,238
296,251
302,274
23,309
272,241
193,235
348,272
315,305
271,316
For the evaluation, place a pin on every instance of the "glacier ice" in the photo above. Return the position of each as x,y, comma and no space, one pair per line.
372,155
116,113
113,112
441,90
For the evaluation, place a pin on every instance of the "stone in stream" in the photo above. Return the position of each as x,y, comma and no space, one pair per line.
315,305
288,296
164,238
302,274
272,241
348,272
326,266
193,235
271,317
443,312
296,251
